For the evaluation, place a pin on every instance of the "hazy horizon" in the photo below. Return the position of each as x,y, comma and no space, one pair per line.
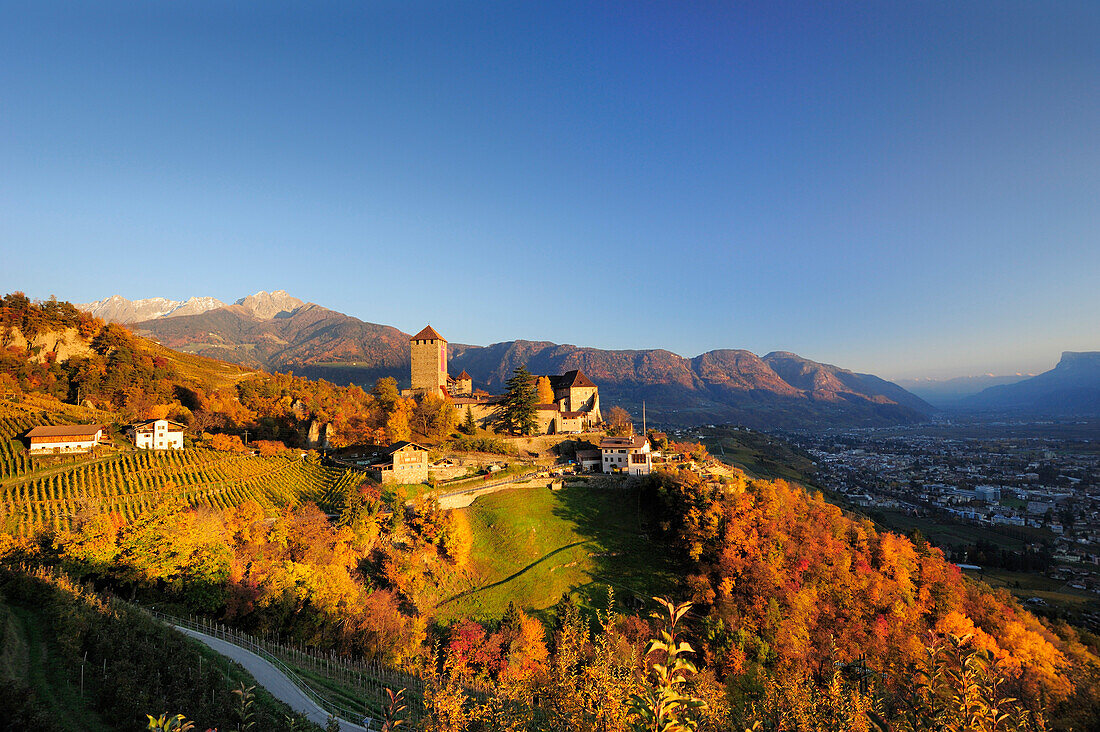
901,190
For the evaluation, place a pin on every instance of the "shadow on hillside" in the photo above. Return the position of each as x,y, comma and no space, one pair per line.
510,577
610,515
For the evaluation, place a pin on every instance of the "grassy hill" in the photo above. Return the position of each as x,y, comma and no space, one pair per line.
530,545
759,454
199,369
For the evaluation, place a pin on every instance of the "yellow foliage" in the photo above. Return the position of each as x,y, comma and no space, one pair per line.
545,395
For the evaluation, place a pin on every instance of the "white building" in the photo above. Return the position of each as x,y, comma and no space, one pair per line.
988,493
157,434
626,455
64,439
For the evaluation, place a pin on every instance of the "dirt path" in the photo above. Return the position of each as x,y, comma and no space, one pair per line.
272,679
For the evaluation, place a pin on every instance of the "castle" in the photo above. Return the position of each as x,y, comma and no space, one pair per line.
576,405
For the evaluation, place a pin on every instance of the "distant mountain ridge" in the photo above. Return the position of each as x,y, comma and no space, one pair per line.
117,309
267,305
276,332
946,393
1072,387
717,386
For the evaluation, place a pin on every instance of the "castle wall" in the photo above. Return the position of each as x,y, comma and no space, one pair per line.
483,413
580,399
546,420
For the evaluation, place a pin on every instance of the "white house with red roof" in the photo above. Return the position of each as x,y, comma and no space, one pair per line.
157,434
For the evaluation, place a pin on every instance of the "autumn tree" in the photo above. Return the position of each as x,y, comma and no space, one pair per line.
398,421
457,538
618,419
433,416
544,393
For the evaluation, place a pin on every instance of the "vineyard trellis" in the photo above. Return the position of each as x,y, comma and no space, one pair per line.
130,482
365,680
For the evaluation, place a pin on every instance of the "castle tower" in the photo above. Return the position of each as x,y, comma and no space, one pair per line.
429,361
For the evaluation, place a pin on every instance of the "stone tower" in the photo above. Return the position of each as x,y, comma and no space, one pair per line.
429,361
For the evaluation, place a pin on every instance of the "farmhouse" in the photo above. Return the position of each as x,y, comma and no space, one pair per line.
589,461
626,455
64,439
404,462
576,405
157,434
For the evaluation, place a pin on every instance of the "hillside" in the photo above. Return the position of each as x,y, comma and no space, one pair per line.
530,545
56,352
52,630
288,340
1072,387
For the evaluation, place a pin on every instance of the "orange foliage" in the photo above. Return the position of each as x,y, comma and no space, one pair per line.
798,585
296,573
227,443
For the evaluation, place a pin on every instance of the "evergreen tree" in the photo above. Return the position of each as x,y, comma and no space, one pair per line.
469,426
517,411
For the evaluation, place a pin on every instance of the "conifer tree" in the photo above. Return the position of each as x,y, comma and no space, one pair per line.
469,426
517,411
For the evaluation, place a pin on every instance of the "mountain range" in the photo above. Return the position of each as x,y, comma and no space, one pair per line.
277,332
118,309
1072,387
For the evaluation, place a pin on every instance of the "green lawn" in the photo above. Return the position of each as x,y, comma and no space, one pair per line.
531,545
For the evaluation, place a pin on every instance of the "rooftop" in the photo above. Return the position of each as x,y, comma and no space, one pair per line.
636,442
395,447
151,422
65,430
428,334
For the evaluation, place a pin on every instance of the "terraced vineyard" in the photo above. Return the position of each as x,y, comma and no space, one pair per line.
131,482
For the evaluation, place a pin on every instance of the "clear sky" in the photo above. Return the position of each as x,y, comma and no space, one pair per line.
906,188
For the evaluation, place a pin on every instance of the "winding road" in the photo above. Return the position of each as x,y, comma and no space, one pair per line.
272,679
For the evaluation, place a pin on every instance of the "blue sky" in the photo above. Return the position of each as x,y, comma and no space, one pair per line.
905,188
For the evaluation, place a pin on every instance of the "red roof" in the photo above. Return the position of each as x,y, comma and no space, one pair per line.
66,430
428,334
464,376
